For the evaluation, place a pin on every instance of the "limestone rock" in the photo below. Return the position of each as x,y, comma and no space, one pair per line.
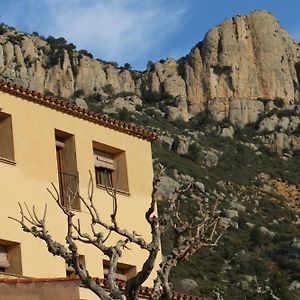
81,103
238,65
295,285
284,123
166,142
227,132
211,159
296,243
8,51
181,145
294,122
237,206
187,286
268,124
230,213
121,103
266,232
200,186
166,187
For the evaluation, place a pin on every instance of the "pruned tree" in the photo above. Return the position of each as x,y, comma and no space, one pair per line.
188,238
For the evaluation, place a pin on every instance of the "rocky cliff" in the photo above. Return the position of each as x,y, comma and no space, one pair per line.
245,71
245,58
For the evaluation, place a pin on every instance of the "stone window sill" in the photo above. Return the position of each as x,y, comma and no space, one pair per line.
7,161
124,193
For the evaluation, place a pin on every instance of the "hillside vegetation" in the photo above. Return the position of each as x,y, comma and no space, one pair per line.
228,118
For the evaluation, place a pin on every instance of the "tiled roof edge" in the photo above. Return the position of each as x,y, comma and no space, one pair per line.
144,291
74,110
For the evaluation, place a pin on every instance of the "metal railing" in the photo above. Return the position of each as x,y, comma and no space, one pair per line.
68,187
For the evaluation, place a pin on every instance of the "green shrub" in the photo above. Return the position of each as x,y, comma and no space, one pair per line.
5,28
108,89
201,119
279,102
86,53
124,94
124,115
127,66
78,94
194,152
256,237
139,107
113,63
286,113
297,68
16,39
94,98
297,130
150,65
154,97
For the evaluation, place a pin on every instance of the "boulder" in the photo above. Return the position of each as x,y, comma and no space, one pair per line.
166,141
81,103
166,187
237,206
230,213
200,186
187,286
181,145
268,124
266,232
227,132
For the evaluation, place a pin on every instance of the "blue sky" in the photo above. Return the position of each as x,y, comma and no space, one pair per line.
136,31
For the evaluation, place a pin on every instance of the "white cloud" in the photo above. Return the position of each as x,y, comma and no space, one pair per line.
121,30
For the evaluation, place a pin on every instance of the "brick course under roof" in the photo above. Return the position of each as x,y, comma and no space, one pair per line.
74,110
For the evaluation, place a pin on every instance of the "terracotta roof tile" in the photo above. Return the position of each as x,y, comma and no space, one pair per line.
74,110
144,291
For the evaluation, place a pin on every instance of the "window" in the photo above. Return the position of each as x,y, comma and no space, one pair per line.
104,168
10,257
67,169
110,167
4,263
124,271
6,138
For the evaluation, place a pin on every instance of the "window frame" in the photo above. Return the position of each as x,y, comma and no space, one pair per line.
66,165
14,258
120,166
7,154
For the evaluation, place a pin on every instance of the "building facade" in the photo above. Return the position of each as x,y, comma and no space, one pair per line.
44,141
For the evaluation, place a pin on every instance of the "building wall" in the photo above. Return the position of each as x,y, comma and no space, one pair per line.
42,290
36,167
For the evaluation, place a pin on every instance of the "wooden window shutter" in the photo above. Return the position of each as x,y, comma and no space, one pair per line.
104,160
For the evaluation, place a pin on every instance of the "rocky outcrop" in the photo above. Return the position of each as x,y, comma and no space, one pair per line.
245,58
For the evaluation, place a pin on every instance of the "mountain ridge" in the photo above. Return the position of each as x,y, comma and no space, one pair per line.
245,58
237,140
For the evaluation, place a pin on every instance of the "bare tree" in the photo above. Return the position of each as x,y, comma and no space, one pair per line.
188,238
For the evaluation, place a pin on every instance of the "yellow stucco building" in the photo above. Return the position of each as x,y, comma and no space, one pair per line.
44,141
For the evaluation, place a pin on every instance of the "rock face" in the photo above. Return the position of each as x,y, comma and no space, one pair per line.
245,58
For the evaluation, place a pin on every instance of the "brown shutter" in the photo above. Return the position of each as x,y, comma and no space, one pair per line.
104,160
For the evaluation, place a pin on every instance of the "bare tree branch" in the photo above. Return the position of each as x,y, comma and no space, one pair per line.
188,237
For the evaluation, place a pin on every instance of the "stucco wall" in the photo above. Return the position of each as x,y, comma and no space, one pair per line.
41,291
36,168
